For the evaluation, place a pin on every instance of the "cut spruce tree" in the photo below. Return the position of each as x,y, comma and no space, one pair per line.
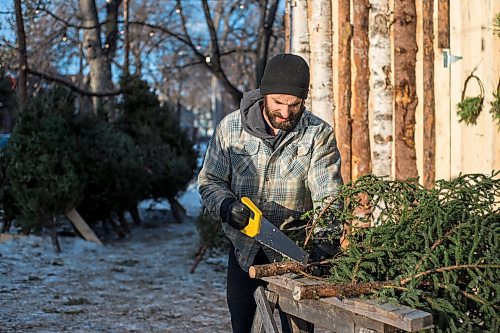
435,249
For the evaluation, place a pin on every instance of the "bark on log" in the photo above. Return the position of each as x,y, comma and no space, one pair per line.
335,290
277,268
405,96
444,24
429,100
343,128
361,156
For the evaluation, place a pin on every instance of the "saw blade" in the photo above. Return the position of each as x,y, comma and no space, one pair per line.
272,237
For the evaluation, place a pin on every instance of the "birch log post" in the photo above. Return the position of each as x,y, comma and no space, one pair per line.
361,159
405,51
379,55
320,43
299,35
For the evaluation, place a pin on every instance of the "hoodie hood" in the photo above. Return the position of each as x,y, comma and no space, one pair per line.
251,115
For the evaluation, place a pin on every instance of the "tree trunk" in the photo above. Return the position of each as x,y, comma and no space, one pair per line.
320,27
299,35
405,51
343,129
361,159
265,31
23,57
126,36
381,88
429,105
100,74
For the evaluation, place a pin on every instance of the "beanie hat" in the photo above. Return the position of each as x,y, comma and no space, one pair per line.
286,74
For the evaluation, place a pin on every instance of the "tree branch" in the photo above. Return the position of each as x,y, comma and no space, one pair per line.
71,86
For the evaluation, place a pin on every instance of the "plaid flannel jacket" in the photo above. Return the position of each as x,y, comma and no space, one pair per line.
284,182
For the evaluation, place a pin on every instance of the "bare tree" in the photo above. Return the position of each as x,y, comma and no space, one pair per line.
100,71
23,58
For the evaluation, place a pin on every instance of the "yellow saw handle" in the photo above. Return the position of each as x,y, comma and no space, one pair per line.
253,227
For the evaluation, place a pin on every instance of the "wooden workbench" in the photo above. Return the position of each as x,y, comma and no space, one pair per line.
337,314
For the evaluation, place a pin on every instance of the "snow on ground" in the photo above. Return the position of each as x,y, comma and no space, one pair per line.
138,284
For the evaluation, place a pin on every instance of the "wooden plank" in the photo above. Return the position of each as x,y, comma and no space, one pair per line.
367,311
82,226
265,311
258,326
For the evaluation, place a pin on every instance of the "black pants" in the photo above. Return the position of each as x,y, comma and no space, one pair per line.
240,290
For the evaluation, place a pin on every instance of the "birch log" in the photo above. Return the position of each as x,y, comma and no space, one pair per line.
379,55
299,34
361,159
320,43
100,72
405,52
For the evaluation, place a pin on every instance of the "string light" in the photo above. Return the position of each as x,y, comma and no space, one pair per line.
151,33
122,32
207,59
198,47
177,9
106,46
64,38
242,6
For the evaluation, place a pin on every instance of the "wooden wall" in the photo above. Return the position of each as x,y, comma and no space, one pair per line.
461,148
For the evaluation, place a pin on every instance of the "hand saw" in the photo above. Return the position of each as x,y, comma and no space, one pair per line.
264,232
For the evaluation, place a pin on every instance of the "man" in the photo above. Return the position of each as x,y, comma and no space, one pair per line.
279,155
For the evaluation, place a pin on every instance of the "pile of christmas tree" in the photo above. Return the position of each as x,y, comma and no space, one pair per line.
432,249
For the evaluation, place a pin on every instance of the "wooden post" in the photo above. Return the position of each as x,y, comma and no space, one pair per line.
429,153
443,24
343,128
361,159
405,98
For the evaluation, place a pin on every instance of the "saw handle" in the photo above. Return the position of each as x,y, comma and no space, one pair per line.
253,227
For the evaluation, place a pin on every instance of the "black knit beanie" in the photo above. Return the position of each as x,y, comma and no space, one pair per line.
286,74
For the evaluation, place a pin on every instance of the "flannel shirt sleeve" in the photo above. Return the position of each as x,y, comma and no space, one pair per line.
324,176
215,175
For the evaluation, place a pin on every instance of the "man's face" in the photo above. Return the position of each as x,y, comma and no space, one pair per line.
282,111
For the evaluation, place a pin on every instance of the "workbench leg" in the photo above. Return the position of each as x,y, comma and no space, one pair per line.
299,325
263,321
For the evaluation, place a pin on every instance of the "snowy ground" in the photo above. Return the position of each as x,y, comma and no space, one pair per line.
138,284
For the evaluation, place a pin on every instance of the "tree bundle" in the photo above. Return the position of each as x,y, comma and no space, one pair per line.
433,249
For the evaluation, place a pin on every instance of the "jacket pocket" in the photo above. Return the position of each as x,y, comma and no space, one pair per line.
295,162
244,158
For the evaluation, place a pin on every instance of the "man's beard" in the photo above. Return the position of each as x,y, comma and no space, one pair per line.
286,125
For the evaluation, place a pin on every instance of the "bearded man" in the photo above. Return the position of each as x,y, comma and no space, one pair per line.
281,156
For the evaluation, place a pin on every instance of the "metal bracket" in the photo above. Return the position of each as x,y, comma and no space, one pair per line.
449,58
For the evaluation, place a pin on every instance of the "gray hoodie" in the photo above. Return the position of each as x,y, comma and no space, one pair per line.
253,121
